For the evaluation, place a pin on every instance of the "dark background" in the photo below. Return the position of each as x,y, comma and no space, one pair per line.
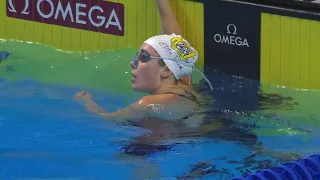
231,59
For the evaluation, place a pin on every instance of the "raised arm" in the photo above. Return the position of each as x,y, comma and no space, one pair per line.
169,23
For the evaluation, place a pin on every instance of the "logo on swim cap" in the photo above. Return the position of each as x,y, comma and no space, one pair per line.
182,48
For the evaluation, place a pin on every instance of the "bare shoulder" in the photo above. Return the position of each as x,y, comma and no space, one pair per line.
157,99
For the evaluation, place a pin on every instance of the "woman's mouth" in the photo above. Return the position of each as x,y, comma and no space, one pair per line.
133,77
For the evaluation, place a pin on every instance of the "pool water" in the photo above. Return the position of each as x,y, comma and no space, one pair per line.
46,134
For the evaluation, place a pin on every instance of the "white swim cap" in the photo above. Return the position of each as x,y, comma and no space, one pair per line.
177,54
175,47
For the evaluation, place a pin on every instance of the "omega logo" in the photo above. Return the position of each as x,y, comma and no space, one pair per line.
11,8
231,38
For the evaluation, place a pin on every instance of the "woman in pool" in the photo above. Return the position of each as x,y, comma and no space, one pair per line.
162,68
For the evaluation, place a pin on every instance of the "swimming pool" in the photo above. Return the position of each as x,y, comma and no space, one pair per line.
46,134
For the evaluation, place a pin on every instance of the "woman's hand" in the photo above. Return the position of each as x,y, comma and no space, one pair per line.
89,104
83,95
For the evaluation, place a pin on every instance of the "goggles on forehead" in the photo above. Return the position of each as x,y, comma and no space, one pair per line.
145,57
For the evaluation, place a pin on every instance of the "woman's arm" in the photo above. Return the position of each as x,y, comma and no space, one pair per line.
169,23
135,110
142,108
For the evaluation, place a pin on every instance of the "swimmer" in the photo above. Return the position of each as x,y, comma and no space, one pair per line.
162,68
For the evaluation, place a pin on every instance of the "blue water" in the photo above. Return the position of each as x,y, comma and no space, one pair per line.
45,133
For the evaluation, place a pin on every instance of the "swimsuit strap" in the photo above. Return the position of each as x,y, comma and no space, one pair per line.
190,97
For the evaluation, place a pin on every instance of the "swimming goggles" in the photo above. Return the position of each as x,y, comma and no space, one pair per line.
145,57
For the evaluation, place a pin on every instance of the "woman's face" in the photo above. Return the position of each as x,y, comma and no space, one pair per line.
147,75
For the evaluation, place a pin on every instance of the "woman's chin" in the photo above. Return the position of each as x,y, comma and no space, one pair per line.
135,87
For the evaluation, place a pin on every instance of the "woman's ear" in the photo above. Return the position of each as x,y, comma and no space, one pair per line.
165,72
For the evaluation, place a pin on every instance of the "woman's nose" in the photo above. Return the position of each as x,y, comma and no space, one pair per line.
133,64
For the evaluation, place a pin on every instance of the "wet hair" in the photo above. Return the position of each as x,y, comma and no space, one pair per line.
161,62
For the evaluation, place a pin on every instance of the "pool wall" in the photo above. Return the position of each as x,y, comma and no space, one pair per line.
130,23
270,42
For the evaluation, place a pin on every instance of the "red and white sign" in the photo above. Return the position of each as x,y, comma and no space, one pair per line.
92,15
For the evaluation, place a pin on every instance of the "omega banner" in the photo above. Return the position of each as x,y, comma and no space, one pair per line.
232,38
93,15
